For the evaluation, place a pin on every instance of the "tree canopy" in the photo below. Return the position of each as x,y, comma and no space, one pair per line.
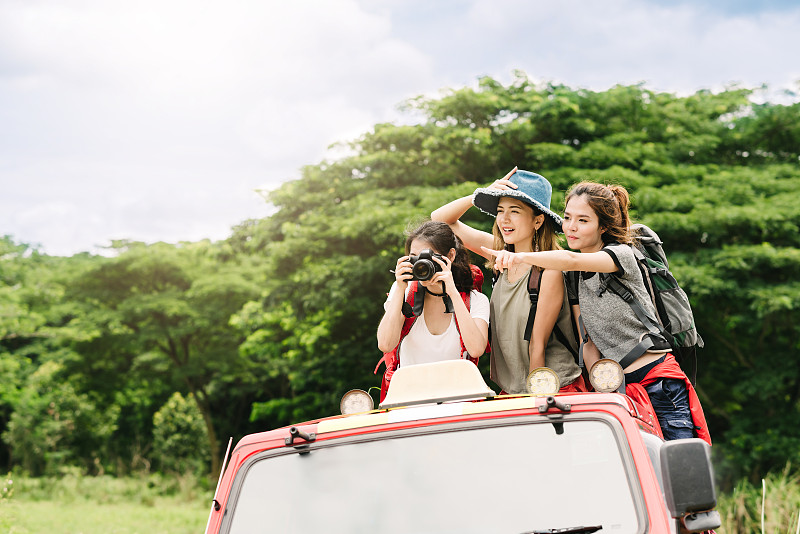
275,323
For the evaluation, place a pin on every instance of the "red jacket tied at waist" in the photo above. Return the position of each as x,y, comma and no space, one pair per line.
669,368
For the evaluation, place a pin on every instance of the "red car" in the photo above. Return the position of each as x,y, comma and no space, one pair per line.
444,454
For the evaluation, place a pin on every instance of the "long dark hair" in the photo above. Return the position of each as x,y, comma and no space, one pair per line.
610,203
442,239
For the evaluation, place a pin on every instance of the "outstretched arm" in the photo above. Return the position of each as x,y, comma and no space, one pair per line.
561,260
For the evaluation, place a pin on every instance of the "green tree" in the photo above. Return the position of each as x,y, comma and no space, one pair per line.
53,425
162,313
279,320
728,219
32,313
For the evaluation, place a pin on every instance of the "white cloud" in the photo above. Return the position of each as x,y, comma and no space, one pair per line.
157,119
675,47
183,107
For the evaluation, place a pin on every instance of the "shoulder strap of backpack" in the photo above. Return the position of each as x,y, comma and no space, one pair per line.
477,277
464,352
413,293
466,297
613,283
533,292
571,281
389,357
571,287
562,338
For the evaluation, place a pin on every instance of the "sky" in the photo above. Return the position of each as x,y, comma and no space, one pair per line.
163,120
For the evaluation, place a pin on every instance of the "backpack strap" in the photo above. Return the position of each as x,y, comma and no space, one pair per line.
466,297
390,358
477,277
571,287
581,334
584,338
533,293
564,341
613,283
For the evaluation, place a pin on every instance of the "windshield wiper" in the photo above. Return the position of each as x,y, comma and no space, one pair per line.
567,530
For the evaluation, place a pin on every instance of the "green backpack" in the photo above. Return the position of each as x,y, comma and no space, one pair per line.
674,319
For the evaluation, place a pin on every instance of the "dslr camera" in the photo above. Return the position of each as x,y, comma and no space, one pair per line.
423,267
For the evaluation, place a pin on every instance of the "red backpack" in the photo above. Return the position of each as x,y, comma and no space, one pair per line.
390,358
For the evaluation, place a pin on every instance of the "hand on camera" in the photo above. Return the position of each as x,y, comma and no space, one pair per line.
444,275
402,271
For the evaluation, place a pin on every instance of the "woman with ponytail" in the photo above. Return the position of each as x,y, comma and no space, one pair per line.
597,224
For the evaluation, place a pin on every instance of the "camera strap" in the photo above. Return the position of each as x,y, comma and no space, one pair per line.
419,299
448,303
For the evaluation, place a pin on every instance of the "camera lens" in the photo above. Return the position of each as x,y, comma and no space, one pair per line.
423,270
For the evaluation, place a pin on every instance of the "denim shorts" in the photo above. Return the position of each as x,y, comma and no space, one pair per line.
670,400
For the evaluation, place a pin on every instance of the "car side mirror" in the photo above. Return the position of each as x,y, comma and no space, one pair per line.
689,483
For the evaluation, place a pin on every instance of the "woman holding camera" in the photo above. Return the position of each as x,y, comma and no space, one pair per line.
520,203
434,287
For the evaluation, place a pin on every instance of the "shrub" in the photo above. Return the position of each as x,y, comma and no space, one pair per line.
180,437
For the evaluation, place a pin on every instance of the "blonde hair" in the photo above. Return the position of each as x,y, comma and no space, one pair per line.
545,238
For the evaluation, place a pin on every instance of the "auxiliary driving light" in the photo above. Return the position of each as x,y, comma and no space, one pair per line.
606,375
543,381
356,401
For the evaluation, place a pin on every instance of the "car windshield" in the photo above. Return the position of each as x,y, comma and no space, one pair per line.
514,478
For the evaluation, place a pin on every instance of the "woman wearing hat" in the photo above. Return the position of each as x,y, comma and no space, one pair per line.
520,203
598,225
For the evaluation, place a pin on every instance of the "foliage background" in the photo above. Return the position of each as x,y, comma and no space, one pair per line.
273,324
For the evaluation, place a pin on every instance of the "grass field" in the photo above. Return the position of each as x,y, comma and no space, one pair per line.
156,504
166,516
104,505
771,507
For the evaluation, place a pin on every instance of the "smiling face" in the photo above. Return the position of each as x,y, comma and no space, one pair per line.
517,223
582,226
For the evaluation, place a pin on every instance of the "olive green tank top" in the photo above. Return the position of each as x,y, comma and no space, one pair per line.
510,359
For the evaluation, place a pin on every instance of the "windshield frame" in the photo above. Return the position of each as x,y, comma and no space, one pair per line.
419,428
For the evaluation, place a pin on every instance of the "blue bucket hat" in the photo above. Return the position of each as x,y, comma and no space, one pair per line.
532,188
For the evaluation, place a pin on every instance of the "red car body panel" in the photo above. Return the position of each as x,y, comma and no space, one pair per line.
614,405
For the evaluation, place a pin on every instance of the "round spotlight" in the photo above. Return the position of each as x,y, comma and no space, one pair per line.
356,401
543,381
606,375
